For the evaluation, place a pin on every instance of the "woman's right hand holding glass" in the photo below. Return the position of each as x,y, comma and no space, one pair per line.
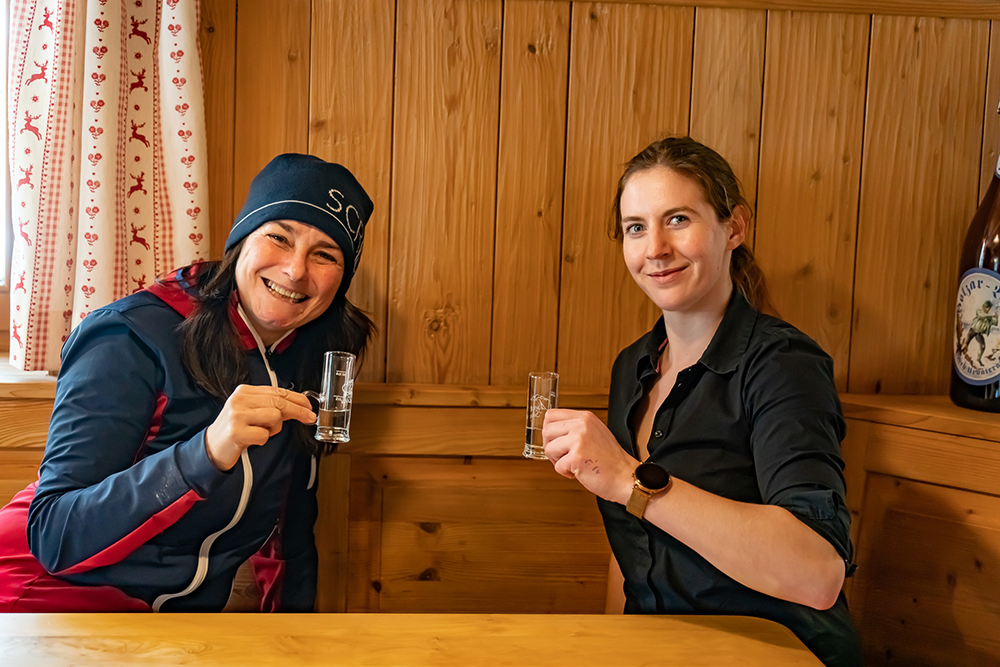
251,415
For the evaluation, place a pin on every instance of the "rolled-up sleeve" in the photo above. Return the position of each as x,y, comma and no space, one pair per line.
797,427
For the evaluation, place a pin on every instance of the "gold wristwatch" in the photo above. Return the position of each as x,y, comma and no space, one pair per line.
649,478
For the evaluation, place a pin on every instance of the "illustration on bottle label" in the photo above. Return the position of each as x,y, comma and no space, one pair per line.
977,334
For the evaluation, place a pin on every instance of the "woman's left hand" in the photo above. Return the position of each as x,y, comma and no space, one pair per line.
579,445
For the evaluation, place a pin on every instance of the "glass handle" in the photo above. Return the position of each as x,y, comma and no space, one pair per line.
319,402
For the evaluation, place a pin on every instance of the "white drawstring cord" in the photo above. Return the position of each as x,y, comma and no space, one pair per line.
202,570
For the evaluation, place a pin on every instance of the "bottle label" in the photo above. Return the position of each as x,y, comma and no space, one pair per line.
976,352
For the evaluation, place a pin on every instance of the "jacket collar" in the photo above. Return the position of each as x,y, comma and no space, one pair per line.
177,290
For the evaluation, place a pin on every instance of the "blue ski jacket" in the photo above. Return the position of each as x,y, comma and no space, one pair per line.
127,496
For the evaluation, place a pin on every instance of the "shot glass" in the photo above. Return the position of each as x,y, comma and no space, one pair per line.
333,421
543,393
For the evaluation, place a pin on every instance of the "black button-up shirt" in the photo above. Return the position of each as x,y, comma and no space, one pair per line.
756,420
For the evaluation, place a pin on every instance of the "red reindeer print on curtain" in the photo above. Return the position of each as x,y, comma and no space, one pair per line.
108,164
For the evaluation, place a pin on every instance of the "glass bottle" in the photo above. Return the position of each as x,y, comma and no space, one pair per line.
975,368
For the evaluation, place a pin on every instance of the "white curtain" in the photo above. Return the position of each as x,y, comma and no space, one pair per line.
107,159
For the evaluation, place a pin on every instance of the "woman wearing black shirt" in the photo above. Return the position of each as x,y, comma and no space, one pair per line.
738,505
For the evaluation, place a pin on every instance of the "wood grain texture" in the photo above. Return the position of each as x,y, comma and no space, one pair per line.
935,458
332,533
24,423
529,189
438,431
444,190
932,558
218,52
727,84
350,122
623,94
484,535
364,581
415,640
453,395
972,9
926,413
919,189
18,469
853,450
272,87
991,115
810,165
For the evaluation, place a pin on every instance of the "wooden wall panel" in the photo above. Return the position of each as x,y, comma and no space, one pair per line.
272,87
727,89
986,9
919,162
444,190
218,52
915,454
332,533
810,167
529,189
853,450
18,469
991,115
923,137
931,567
24,424
350,122
364,580
498,536
623,94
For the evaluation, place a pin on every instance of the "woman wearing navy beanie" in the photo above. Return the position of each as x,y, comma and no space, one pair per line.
178,446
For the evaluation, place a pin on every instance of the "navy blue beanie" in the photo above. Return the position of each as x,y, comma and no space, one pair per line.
307,189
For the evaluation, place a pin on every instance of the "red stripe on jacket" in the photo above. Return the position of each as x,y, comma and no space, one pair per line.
25,585
149,529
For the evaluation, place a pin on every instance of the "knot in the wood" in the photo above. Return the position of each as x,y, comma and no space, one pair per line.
434,325
532,49
429,526
430,574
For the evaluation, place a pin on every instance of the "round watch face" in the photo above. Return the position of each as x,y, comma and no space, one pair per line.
652,476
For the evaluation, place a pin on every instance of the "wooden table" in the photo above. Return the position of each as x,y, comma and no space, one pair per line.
245,640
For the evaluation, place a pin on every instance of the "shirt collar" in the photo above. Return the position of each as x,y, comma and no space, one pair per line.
732,338
724,352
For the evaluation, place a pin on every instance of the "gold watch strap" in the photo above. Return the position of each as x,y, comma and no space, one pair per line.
637,502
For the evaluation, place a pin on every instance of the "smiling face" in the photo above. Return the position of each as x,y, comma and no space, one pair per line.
674,245
287,275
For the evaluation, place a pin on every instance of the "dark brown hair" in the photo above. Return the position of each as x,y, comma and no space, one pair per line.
721,190
213,355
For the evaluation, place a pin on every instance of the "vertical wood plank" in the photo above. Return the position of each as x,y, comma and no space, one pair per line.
853,451
444,190
919,189
272,87
810,167
529,189
332,526
623,94
218,50
991,119
727,89
350,122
